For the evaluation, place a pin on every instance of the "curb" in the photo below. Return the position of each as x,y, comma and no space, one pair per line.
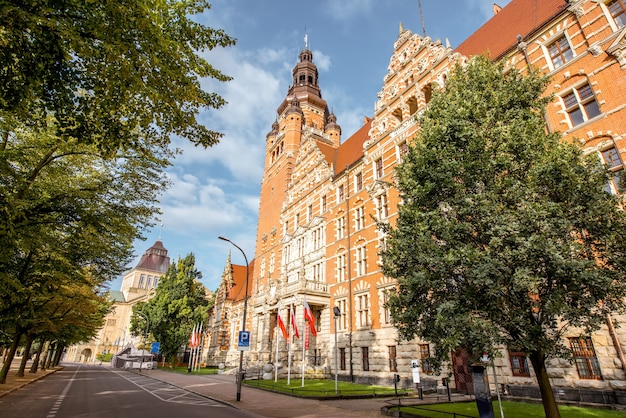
37,378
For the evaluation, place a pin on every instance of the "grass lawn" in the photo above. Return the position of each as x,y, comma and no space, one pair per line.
322,387
511,410
183,369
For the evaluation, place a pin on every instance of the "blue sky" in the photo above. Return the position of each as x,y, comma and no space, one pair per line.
215,191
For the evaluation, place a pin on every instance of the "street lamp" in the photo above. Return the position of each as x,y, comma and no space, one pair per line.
243,322
337,312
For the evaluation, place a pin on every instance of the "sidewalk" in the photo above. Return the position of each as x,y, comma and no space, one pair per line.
14,383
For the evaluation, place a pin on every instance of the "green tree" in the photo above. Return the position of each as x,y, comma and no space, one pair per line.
70,218
179,303
505,235
116,74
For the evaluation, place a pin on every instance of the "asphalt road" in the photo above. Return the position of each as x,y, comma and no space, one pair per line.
95,391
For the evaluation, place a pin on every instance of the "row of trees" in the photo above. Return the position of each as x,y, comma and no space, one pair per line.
92,94
506,237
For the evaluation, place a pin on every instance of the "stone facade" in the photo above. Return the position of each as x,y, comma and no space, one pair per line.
321,197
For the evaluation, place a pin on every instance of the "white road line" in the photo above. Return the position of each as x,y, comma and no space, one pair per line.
59,401
202,400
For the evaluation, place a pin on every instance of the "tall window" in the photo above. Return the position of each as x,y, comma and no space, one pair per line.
378,167
363,310
424,356
366,358
359,218
612,159
386,293
393,364
340,227
343,317
361,261
585,358
581,105
156,281
323,204
519,364
342,358
272,262
617,8
318,272
318,237
309,213
142,279
149,282
358,181
560,51
262,267
340,194
402,151
341,268
382,207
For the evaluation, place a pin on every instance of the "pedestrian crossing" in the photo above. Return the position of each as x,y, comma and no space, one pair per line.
165,391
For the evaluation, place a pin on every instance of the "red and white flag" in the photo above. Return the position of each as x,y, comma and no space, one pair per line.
281,324
294,327
309,318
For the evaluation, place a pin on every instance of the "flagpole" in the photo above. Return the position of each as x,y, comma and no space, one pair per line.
192,353
277,341
289,352
304,337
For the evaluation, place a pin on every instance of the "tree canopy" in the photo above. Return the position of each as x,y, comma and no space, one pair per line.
92,93
115,74
179,303
506,236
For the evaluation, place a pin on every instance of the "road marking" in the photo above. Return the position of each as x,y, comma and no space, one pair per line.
167,392
57,404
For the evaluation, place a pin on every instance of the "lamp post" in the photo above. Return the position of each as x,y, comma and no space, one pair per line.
145,336
337,312
243,322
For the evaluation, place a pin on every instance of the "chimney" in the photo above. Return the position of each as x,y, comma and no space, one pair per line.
496,9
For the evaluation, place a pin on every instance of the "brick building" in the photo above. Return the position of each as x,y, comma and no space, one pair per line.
321,197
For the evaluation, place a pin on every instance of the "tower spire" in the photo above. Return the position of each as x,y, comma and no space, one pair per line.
306,39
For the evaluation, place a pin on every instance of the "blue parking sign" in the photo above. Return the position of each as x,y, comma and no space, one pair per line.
244,341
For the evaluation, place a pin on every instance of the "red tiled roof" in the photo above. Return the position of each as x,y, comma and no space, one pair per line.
499,34
351,150
239,277
328,151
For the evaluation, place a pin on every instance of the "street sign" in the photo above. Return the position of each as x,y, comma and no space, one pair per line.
156,346
244,341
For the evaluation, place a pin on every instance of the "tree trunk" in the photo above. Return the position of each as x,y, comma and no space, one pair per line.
58,354
9,358
29,343
538,361
35,365
51,349
42,362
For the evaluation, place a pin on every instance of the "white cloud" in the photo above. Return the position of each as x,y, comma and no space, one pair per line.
321,60
347,9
